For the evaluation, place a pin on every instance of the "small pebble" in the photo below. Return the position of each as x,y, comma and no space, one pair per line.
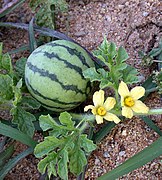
97,161
124,133
145,14
106,154
121,153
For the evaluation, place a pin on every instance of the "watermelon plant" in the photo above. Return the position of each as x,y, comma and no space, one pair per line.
46,11
41,92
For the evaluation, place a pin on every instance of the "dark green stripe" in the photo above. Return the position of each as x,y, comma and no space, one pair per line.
47,98
53,77
72,52
69,65
56,107
59,108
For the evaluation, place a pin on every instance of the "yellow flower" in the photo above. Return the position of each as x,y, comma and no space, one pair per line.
129,100
100,107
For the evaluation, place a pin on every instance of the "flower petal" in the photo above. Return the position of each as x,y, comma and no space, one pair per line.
137,92
123,89
99,119
98,98
122,101
112,117
86,108
140,107
127,112
109,103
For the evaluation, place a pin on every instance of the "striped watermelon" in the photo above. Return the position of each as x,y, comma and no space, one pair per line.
53,75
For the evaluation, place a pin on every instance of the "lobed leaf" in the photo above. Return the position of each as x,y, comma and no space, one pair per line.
70,147
62,164
112,50
77,160
30,102
20,67
92,74
6,64
24,120
6,91
87,144
66,119
17,93
122,55
130,75
49,144
49,162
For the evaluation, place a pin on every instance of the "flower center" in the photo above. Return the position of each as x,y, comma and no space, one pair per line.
128,101
101,111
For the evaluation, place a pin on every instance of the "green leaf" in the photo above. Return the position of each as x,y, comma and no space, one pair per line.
11,163
155,52
87,144
77,160
99,75
105,83
70,146
16,134
6,92
6,64
104,74
8,10
24,120
92,74
112,50
6,154
47,122
148,85
62,165
66,119
43,31
20,67
130,75
122,55
17,93
48,162
46,10
32,40
148,154
30,102
49,144
104,45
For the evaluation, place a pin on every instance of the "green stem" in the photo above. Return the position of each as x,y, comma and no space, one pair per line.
155,111
79,117
84,126
151,112
90,117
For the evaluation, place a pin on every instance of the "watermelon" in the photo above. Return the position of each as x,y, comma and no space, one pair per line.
53,75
